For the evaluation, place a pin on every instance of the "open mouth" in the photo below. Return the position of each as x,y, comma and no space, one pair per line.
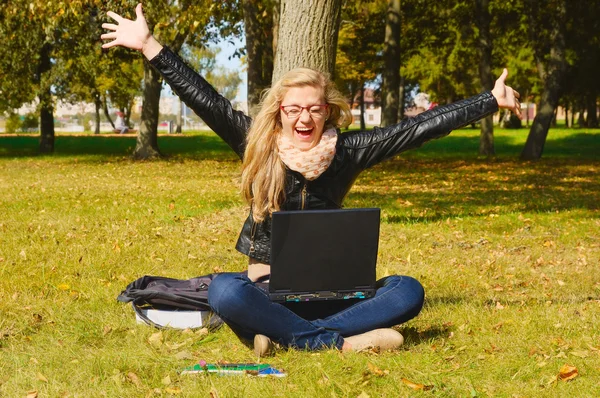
304,132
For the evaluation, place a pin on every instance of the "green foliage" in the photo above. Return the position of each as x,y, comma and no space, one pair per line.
13,123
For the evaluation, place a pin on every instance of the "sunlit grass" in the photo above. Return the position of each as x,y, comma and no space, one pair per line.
508,252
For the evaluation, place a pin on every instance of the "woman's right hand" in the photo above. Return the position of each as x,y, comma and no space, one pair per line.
131,34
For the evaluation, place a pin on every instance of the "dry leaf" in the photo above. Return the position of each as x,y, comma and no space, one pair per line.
580,354
375,370
156,339
135,379
63,286
106,330
184,355
173,390
568,372
167,380
416,386
42,377
214,393
363,395
499,306
32,394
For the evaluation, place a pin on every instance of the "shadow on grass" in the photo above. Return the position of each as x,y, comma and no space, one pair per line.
206,145
110,146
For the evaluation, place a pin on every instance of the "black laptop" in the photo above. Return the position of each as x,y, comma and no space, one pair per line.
323,254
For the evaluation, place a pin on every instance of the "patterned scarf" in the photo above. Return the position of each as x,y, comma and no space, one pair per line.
310,163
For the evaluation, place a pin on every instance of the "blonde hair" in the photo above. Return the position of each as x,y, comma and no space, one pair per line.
263,172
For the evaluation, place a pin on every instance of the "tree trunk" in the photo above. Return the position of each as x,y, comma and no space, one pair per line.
258,25
46,105
361,102
308,32
552,77
179,117
486,136
592,117
98,105
106,112
391,71
401,94
146,145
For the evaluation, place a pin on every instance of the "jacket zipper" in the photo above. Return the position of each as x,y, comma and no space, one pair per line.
252,236
303,196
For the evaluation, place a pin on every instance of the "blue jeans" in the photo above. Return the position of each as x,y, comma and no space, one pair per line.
248,310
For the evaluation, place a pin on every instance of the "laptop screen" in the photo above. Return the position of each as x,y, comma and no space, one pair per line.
324,250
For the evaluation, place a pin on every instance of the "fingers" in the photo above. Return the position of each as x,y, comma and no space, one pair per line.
109,26
517,95
503,76
110,44
108,36
115,16
138,11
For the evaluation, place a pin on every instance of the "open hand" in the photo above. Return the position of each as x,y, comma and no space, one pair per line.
506,97
127,33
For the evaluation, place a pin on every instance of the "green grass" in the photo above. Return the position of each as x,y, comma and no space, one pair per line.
508,252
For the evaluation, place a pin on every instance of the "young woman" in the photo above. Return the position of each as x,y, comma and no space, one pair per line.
295,158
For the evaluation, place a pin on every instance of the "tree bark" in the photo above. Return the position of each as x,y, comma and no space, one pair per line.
179,117
46,103
258,25
483,18
106,112
146,146
592,108
98,105
401,94
308,33
552,76
391,71
361,101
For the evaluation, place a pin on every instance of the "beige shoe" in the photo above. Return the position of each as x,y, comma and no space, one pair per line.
382,339
262,345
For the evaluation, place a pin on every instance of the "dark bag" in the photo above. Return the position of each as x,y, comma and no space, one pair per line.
168,299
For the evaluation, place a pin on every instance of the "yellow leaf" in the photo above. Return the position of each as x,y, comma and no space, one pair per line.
580,354
375,370
568,372
173,390
32,394
167,380
42,377
156,339
416,386
134,379
63,286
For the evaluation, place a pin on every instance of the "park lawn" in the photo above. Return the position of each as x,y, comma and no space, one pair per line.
508,252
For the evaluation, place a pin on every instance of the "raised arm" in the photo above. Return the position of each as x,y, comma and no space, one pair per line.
370,148
197,93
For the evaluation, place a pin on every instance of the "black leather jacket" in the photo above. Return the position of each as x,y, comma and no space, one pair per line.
355,151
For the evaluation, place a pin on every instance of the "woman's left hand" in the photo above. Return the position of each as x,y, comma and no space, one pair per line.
506,97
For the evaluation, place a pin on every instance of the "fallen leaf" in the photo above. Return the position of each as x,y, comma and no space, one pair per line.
42,377
106,330
134,379
363,395
63,286
375,370
184,355
416,386
166,381
32,394
580,354
173,390
156,339
499,306
568,372
214,393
